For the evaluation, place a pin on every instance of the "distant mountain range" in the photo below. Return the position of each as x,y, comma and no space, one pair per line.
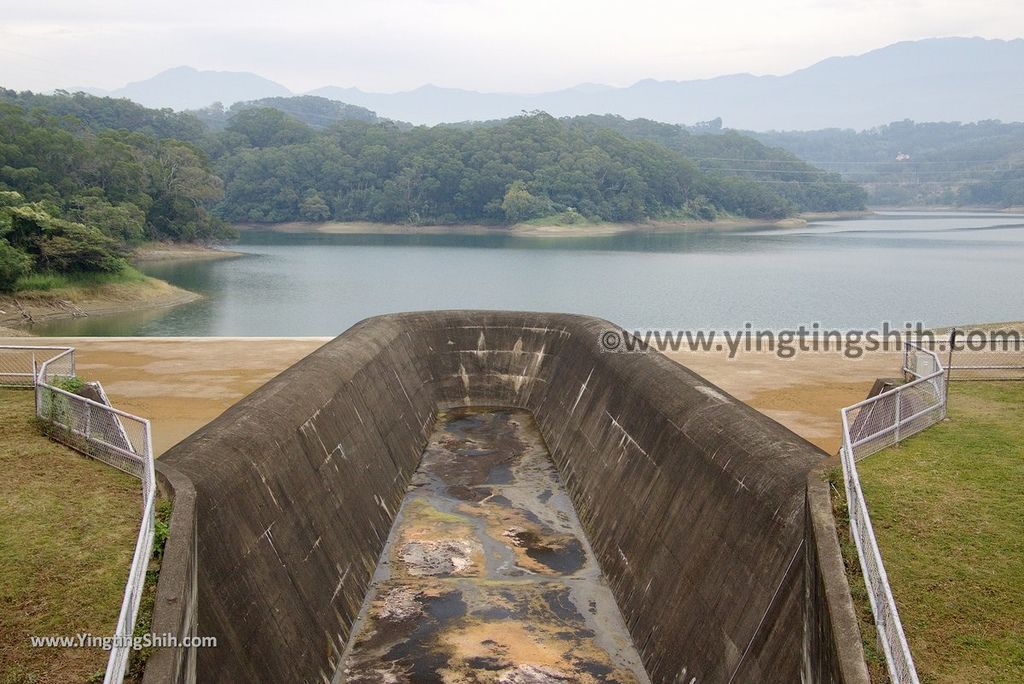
187,88
939,79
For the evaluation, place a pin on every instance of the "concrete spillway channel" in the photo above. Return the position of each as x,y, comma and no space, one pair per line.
358,518
487,575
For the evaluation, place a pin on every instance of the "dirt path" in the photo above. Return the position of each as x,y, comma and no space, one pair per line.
183,383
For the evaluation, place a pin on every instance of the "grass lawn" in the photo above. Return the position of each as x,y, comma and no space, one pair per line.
948,511
68,526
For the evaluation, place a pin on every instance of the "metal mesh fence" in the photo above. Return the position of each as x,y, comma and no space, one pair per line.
870,426
121,440
891,637
980,354
887,418
996,357
117,663
102,432
19,364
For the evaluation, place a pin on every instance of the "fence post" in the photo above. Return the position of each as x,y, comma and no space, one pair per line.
906,358
899,402
949,369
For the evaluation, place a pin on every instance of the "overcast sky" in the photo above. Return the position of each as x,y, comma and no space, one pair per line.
492,45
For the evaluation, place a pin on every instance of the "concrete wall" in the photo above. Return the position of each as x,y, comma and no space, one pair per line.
832,644
176,592
693,502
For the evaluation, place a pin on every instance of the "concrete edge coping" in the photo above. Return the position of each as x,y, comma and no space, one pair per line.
848,645
176,573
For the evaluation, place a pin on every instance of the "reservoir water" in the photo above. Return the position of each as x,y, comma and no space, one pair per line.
929,267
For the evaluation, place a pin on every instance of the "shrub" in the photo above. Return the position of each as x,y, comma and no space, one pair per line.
61,245
69,383
13,265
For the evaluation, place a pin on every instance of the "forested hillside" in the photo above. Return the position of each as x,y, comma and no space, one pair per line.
102,113
74,192
311,159
907,163
727,153
85,177
318,112
527,167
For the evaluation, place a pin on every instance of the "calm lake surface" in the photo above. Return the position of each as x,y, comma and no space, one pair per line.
936,268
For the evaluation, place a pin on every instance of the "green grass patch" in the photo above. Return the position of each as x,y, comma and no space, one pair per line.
68,526
947,507
48,282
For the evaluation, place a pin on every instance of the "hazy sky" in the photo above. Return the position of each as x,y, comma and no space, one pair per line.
526,45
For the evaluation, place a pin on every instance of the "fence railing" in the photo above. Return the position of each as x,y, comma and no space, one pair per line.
868,427
979,354
122,440
19,364
998,356
885,419
103,432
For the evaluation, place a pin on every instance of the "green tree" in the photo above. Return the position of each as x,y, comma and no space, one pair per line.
266,127
125,222
14,263
59,245
182,186
519,205
313,208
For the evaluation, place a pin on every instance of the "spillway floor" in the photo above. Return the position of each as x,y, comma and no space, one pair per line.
487,575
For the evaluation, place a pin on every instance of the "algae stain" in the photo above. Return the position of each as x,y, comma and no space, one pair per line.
487,575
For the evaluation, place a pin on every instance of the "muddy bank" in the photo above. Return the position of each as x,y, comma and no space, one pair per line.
25,308
487,575
176,251
524,230
834,215
954,209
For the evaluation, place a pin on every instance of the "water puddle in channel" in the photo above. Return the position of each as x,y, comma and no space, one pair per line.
487,575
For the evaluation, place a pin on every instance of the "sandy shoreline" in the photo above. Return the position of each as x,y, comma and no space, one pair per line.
529,230
173,251
183,383
954,210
